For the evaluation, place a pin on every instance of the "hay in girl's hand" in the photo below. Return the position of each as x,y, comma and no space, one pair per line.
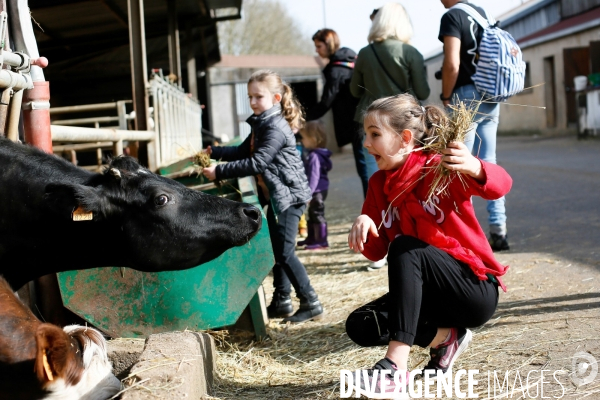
201,160
452,129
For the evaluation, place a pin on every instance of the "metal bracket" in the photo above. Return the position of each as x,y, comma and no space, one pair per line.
36,105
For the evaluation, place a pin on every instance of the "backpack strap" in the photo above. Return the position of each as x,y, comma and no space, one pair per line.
383,68
484,22
347,64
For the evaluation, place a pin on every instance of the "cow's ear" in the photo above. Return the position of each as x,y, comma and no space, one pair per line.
69,200
52,357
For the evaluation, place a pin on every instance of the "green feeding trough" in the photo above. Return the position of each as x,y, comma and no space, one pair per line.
128,303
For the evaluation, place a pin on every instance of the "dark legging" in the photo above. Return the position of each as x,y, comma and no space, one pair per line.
288,268
316,208
429,289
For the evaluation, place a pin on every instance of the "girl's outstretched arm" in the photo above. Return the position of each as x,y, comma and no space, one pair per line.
359,233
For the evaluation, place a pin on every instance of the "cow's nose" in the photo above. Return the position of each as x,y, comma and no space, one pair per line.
253,213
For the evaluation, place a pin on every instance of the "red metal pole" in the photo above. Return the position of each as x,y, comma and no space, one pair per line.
36,112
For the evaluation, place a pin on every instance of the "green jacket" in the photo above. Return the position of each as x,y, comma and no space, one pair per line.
402,61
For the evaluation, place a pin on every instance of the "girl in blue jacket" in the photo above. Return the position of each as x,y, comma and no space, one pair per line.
269,154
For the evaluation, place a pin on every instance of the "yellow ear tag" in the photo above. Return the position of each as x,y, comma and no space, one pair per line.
47,366
81,214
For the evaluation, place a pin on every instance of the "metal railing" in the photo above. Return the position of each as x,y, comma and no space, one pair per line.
70,136
177,120
121,118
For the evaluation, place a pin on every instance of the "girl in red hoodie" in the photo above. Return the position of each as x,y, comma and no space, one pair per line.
443,277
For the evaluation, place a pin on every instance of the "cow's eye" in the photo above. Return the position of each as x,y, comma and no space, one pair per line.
161,200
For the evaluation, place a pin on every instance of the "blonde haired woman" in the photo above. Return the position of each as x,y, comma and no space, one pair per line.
389,65
391,21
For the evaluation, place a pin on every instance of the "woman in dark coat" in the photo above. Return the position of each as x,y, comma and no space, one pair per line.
337,97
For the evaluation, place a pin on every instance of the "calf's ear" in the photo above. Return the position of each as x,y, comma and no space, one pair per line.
54,355
70,200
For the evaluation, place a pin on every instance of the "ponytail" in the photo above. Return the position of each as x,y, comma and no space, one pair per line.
403,111
290,106
291,109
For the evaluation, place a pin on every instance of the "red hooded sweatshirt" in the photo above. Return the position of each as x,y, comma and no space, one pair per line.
396,203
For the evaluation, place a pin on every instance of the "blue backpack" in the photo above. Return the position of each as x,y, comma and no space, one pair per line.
500,71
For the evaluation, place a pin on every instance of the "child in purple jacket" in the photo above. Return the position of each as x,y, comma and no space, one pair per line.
317,162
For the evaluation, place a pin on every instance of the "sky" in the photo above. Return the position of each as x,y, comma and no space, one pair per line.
350,18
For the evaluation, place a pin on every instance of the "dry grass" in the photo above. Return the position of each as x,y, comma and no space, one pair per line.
202,159
304,361
454,129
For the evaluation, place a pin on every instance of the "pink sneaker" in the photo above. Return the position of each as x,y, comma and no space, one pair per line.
373,390
443,357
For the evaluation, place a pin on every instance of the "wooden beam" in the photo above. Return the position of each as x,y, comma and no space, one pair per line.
173,38
139,68
192,70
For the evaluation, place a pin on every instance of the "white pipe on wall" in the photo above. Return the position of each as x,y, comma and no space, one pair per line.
15,81
62,133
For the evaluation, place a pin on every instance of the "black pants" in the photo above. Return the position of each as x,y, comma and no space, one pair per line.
288,270
316,208
429,289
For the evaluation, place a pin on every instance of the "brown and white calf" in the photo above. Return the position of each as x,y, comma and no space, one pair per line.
42,361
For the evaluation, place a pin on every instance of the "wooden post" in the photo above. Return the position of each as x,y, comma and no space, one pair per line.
139,73
192,72
174,51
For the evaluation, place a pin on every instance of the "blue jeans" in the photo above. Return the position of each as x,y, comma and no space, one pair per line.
370,161
481,141
361,164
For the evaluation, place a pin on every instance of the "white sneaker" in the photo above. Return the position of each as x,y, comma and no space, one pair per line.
376,265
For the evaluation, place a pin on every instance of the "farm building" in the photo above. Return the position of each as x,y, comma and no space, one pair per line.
560,40
102,54
126,76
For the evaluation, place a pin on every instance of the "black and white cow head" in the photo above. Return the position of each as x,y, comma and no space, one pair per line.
157,223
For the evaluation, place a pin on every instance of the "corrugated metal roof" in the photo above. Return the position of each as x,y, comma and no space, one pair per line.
87,41
523,11
569,26
571,8
535,21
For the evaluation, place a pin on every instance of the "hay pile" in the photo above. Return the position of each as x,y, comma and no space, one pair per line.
304,361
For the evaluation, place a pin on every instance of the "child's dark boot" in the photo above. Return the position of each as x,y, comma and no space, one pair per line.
281,306
310,308
320,233
310,239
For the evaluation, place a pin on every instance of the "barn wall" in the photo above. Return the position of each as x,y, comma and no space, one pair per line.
514,118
